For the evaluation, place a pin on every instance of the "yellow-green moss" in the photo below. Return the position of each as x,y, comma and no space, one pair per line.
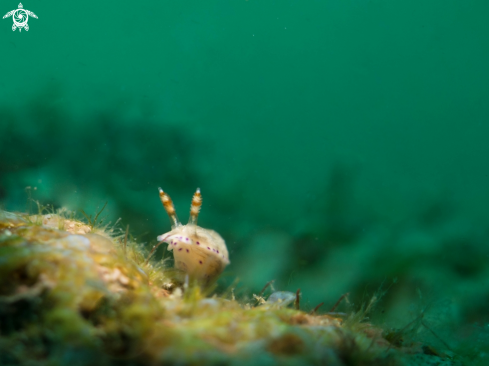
71,291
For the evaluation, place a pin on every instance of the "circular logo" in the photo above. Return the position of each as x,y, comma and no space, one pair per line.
20,18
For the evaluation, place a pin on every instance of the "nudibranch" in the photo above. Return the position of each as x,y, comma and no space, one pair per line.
201,253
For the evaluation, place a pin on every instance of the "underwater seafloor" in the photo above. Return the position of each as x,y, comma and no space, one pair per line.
78,292
75,293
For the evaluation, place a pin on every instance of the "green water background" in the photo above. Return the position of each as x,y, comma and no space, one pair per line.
339,145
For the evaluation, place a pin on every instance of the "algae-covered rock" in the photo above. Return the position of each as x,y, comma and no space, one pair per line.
72,294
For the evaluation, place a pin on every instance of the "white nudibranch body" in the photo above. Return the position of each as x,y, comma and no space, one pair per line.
202,253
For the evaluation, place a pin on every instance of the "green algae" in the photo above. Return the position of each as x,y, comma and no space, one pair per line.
72,291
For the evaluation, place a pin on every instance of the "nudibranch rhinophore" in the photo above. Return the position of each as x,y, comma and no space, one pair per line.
200,252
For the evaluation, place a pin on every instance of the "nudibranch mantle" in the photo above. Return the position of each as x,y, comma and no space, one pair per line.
202,253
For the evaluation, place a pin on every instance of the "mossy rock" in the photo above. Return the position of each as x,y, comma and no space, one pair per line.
72,294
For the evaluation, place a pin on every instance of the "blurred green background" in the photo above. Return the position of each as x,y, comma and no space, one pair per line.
338,144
